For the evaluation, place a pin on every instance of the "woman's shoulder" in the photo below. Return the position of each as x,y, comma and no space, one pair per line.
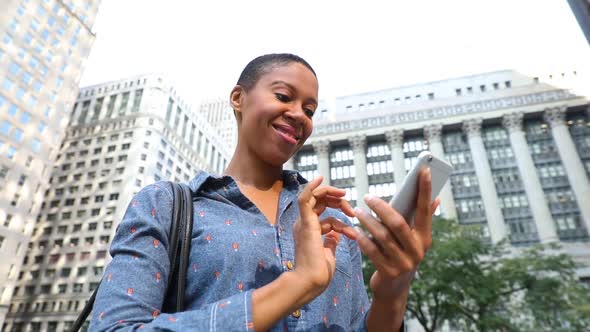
165,187
159,189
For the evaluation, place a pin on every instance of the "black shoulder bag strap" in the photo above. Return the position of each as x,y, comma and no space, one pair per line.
181,228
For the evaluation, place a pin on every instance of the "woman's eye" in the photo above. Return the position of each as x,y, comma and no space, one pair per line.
282,97
309,112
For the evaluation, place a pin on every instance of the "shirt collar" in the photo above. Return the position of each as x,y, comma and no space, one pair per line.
203,180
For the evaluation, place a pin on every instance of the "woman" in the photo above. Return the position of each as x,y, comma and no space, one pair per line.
267,251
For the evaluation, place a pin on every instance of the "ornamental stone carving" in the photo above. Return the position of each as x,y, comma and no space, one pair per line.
321,147
395,137
512,122
358,143
472,127
433,132
397,118
555,116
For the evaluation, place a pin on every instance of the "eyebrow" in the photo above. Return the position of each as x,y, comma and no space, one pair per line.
290,86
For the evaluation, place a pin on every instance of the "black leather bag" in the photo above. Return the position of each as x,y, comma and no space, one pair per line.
181,229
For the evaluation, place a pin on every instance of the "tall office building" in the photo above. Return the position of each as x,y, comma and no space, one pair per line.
520,146
122,136
581,9
220,115
43,47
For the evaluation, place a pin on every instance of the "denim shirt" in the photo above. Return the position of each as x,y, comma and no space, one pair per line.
234,250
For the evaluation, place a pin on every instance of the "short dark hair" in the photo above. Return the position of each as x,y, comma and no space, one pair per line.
261,65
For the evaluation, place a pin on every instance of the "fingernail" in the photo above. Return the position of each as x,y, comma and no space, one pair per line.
369,197
358,229
358,210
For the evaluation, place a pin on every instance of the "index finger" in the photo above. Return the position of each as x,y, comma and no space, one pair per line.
322,191
307,191
305,199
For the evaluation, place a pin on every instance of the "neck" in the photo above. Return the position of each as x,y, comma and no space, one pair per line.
249,170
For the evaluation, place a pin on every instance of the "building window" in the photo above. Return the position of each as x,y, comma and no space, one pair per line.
45,289
65,272
30,290
7,39
62,288
92,286
98,270
77,288
5,128
73,242
21,180
137,100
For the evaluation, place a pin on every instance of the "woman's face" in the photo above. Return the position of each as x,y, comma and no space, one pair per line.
276,114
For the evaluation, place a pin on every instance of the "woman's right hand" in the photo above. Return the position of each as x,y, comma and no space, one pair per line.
316,257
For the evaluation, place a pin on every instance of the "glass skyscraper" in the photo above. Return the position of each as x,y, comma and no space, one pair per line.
43,47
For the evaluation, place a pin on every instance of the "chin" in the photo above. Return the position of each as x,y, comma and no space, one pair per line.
278,159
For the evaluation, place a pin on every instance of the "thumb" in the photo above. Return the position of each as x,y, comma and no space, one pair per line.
331,241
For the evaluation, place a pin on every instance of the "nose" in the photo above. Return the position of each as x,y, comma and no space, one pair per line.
296,114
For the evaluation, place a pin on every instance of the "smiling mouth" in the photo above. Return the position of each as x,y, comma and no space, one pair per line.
287,132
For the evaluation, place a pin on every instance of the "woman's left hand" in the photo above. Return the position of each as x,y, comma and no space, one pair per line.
396,249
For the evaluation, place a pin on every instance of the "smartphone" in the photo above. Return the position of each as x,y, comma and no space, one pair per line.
404,201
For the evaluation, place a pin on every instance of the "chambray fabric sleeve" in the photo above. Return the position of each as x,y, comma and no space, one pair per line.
132,291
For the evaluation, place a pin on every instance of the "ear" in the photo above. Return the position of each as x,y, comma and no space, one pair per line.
236,98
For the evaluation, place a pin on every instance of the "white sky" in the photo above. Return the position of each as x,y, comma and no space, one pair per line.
354,46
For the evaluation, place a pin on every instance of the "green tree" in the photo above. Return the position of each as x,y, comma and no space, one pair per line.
476,286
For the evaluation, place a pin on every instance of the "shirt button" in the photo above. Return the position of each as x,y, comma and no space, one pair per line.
296,313
289,265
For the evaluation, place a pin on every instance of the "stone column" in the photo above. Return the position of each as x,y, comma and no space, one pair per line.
487,188
530,179
395,138
574,168
447,204
322,149
361,181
